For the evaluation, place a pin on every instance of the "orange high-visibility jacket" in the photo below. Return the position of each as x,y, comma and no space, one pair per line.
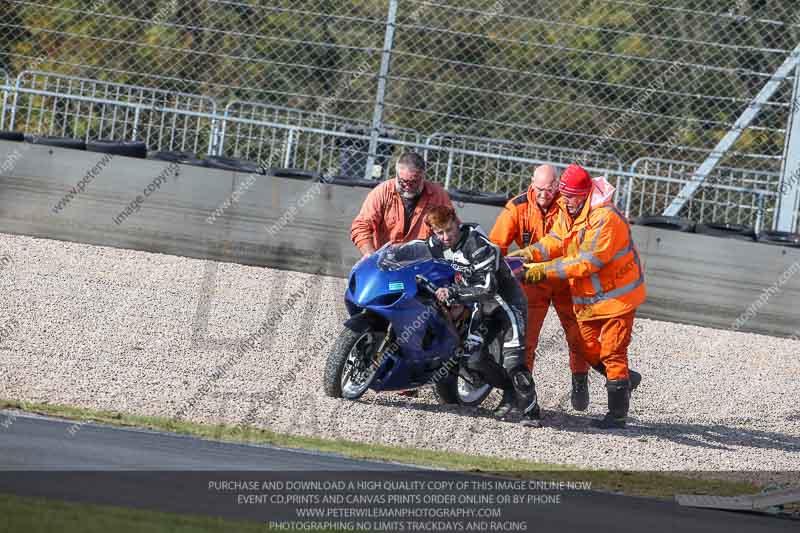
523,222
597,254
382,216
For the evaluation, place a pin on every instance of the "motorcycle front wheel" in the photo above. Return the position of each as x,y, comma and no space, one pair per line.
351,365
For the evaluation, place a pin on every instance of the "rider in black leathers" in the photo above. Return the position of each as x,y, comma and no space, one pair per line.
485,282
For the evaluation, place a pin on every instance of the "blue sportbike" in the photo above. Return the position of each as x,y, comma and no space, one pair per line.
399,337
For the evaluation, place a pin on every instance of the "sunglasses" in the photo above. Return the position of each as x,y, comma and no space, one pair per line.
409,183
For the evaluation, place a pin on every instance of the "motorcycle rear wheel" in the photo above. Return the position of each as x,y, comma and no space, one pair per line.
466,388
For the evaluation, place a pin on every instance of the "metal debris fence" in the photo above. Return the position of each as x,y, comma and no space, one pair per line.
483,88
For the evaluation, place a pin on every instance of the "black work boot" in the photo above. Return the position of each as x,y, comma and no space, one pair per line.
580,391
618,404
506,404
634,376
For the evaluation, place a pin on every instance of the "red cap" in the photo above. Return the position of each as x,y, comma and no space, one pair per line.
575,181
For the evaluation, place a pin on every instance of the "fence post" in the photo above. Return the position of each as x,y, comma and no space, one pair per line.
377,115
761,212
136,114
629,190
220,133
449,172
15,94
213,140
789,190
287,156
5,99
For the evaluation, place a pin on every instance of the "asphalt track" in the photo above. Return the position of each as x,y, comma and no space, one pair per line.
92,463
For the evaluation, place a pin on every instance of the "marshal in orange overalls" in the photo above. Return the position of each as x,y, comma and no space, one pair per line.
595,253
523,222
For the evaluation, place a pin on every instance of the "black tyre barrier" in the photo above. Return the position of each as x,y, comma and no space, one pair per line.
236,165
293,173
137,149
665,222
58,142
12,136
353,182
780,238
183,158
731,231
484,198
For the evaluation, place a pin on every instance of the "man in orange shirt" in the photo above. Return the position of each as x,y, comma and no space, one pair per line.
395,210
591,246
525,220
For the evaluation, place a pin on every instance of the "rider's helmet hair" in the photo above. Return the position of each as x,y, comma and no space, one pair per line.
440,216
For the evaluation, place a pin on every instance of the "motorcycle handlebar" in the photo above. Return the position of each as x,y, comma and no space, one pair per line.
426,284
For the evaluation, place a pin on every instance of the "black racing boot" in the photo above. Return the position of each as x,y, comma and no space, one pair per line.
618,403
525,398
532,416
506,404
580,391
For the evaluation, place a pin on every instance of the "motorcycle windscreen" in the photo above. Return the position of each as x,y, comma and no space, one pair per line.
401,255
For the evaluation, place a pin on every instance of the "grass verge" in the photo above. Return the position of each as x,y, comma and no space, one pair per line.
647,484
43,515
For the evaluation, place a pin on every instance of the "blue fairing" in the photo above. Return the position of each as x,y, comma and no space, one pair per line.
384,285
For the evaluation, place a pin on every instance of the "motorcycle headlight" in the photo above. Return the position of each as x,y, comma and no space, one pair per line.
387,299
